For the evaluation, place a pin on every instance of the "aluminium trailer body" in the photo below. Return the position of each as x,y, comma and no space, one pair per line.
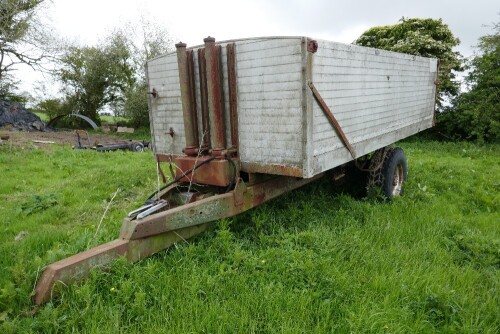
378,97
241,122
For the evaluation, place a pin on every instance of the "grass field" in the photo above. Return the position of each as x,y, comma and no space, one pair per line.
317,260
112,119
43,116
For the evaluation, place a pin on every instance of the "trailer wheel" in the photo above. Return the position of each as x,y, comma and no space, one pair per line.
388,178
137,147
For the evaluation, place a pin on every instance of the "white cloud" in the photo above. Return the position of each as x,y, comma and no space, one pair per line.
338,20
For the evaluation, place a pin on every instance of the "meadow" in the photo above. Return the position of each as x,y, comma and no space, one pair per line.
321,259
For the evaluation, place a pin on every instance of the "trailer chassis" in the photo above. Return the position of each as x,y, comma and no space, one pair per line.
140,238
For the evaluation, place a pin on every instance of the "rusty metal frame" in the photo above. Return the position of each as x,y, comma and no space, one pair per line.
160,171
275,169
202,69
214,89
192,91
77,267
249,167
332,119
160,157
186,79
140,238
219,172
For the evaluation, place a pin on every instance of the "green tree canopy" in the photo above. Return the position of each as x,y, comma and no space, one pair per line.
421,37
475,114
96,76
112,73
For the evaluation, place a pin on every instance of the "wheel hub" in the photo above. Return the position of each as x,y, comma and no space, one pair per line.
397,180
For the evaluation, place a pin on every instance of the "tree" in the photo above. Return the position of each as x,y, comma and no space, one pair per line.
53,107
475,114
421,37
136,105
150,40
96,76
112,74
22,39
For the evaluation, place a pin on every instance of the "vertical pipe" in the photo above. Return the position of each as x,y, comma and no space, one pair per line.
192,94
188,110
233,103
214,88
204,97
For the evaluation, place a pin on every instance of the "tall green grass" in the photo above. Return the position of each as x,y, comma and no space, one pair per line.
113,119
43,116
318,259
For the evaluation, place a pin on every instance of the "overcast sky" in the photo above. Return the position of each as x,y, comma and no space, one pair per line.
190,21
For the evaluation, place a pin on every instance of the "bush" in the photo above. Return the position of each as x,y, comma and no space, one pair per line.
136,105
474,114
55,107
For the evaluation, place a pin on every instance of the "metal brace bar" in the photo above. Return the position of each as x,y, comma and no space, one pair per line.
332,119
160,171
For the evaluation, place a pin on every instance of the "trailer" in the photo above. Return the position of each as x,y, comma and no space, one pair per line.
237,123
83,143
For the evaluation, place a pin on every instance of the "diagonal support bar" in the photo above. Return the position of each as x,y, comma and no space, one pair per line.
332,119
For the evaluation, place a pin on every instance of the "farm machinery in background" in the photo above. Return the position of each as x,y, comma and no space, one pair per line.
83,142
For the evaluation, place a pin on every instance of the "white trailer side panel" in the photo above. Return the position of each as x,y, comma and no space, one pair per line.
378,97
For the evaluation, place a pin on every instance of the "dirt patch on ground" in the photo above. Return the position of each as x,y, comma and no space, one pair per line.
38,139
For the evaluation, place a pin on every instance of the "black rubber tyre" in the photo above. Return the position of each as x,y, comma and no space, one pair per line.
388,180
137,147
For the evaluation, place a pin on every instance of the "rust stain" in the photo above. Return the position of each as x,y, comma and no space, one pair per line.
202,69
274,169
312,45
216,173
77,267
215,108
184,61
